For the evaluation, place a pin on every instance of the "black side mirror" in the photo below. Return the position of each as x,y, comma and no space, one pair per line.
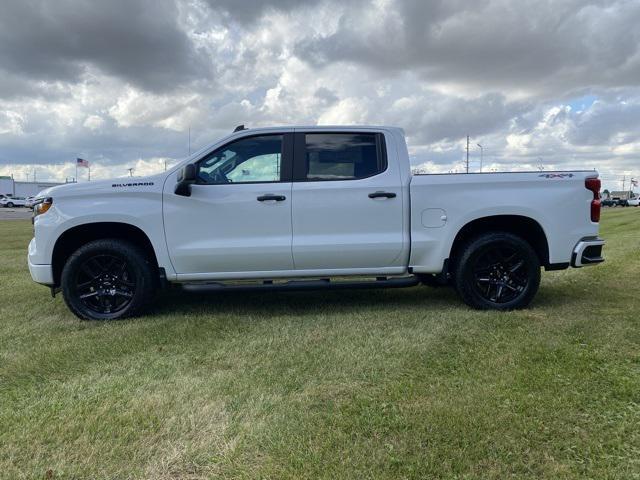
186,178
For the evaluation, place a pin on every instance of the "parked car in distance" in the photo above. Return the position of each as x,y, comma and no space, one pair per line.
10,202
608,202
30,202
305,207
634,202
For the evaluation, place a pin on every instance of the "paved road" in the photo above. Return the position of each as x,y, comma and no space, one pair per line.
15,213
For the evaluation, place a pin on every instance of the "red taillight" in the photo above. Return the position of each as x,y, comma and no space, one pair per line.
593,184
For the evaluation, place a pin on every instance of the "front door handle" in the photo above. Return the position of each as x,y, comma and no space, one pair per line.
382,195
277,198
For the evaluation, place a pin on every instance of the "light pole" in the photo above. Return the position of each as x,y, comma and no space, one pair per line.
467,153
481,155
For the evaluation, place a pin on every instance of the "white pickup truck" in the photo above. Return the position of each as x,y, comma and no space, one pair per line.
311,207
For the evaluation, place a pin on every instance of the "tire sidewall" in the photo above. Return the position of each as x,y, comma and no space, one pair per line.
136,263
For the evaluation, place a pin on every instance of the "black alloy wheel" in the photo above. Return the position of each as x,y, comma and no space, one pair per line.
500,273
105,284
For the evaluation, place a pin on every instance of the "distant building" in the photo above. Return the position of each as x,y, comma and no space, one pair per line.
11,188
620,195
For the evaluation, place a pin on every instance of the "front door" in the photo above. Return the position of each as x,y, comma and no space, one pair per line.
238,217
347,203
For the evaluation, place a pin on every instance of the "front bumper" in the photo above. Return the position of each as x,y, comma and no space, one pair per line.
588,251
40,273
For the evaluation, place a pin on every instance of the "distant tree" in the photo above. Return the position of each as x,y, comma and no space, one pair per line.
605,193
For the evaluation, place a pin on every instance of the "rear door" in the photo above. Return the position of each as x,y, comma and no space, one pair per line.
347,203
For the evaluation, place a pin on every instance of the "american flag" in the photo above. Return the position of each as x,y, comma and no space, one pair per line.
80,162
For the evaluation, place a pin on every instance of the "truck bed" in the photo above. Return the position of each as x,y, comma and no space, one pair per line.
441,204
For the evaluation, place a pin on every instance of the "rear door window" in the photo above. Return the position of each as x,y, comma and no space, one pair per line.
341,156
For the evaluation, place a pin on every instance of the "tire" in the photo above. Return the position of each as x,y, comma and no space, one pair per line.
497,271
10,205
108,279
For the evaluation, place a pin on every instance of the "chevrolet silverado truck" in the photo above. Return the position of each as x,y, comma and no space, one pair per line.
307,208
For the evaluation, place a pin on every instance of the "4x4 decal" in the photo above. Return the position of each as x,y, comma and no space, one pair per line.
556,175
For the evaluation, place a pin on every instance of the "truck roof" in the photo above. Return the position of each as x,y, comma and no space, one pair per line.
242,128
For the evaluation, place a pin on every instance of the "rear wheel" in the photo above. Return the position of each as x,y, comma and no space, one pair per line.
497,271
10,205
107,280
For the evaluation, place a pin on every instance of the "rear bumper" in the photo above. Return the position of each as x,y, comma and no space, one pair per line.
588,251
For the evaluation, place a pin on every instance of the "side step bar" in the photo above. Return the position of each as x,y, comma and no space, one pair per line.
319,284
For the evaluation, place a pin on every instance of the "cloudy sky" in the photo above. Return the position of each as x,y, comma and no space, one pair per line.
539,83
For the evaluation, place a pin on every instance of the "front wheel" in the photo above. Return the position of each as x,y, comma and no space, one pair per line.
107,280
10,205
497,271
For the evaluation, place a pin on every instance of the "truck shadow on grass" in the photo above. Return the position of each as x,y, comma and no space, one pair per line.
304,302
332,302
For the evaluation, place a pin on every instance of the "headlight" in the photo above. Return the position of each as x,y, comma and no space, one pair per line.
42,206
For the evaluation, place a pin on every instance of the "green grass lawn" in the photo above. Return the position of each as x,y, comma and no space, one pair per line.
403,383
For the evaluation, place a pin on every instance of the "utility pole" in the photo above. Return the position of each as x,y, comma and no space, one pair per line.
467,153
481,156
624,179
130,171
189,139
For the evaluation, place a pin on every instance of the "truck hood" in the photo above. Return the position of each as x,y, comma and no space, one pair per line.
128,184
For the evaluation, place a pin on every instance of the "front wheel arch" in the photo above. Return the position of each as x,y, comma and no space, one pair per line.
75,237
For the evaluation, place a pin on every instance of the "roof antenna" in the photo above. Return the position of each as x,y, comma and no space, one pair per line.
239,128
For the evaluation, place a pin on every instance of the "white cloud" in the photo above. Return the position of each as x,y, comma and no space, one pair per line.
93,122
11,123
175,112
507,74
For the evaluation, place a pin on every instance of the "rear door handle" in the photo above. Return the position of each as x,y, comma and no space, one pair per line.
277,198
382,195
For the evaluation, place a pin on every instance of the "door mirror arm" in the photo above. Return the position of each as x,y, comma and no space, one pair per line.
186,178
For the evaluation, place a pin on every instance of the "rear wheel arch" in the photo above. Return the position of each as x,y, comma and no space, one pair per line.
524,227
74,238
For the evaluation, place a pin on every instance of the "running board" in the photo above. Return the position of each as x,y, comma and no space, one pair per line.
319,284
